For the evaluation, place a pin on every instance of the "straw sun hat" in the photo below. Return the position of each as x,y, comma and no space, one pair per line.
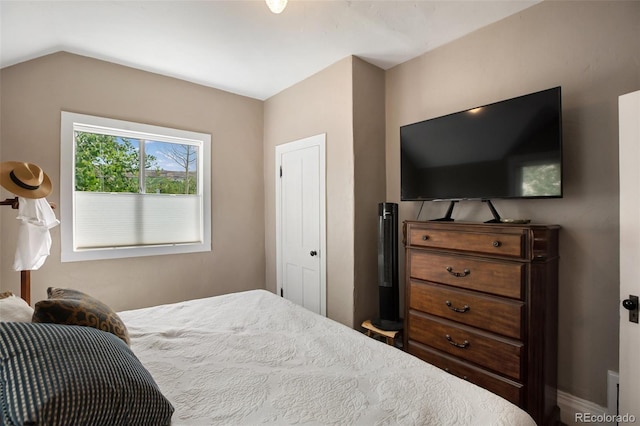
24,179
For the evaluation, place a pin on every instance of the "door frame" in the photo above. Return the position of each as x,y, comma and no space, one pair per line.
311,141
629,339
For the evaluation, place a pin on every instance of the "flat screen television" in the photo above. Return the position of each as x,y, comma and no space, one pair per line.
508,149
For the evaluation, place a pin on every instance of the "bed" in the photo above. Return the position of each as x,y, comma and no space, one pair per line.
252,358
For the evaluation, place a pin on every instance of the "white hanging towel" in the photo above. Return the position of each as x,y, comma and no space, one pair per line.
34,240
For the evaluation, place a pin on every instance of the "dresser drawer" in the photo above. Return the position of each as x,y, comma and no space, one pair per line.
501,316
499,244
492,352
495,277
508,389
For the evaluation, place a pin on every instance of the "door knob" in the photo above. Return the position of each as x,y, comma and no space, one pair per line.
313,253
631,304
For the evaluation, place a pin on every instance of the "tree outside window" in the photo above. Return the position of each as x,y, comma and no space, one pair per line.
177,174
105,163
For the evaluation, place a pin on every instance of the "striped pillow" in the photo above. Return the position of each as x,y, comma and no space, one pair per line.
63,374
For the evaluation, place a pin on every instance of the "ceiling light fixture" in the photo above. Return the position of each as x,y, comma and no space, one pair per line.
276,6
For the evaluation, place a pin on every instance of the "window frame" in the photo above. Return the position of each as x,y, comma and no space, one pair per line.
70,122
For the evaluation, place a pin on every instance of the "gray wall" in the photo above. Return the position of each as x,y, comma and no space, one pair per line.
592,50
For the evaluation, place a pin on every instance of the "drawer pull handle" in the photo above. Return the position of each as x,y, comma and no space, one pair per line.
497,243
462,310
458,274
425,237
462,345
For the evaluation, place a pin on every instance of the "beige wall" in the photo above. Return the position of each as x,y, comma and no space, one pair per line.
369,183
320,104
590,49
345,101
34,93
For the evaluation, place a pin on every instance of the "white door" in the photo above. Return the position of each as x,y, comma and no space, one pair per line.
629,118
300,222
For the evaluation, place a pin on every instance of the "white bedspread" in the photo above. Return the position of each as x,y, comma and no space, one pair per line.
254,358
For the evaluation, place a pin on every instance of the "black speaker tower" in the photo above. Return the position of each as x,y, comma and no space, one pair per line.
388,268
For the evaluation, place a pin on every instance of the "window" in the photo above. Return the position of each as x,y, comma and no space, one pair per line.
130,189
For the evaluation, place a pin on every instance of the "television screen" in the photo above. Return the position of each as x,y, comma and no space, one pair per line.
508,149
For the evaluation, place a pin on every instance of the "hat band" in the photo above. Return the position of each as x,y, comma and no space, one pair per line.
22,184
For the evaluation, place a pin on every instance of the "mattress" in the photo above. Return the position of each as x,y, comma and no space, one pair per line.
253,358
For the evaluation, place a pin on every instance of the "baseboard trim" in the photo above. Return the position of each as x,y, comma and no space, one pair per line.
573,409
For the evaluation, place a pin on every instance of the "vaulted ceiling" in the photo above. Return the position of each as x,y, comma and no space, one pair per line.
239,45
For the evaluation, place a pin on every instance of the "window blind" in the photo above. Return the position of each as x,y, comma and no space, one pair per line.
112,220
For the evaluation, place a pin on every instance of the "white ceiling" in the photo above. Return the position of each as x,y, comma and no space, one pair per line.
239,45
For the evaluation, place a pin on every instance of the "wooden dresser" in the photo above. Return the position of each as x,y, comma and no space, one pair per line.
482,304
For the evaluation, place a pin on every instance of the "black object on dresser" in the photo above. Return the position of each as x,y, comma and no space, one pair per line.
482,304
